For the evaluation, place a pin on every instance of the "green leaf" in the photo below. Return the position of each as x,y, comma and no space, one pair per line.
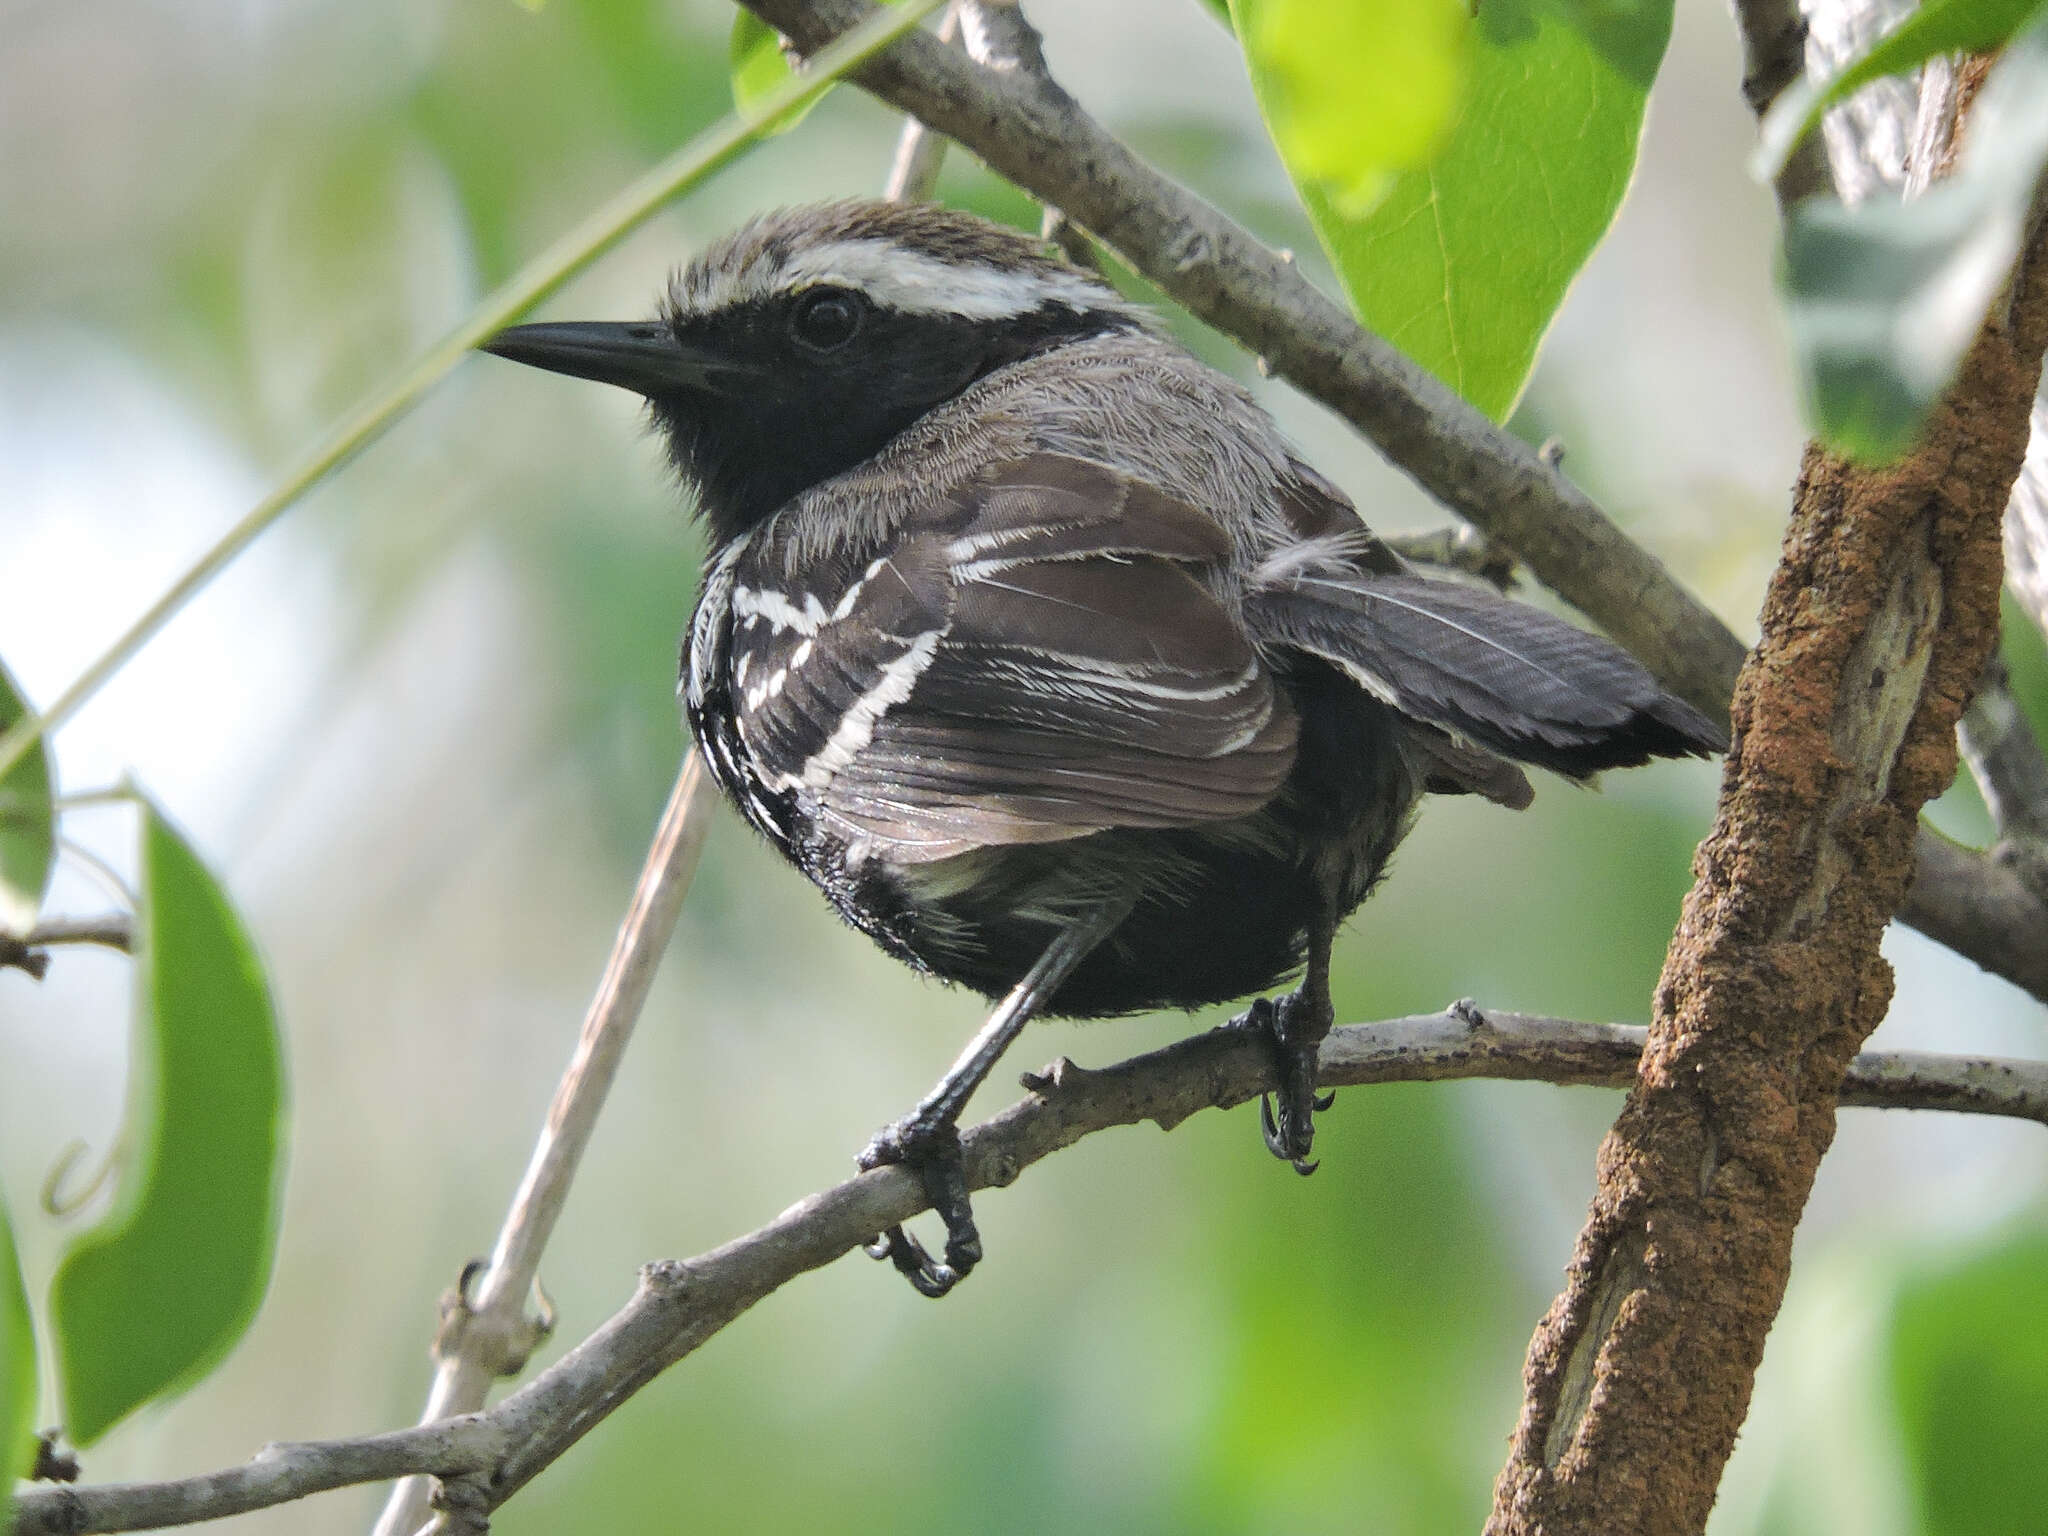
1938,27
150,1300
28,841
1969,1368
1354,91
1884,298
1220,9
759,67
1464,263
17,1373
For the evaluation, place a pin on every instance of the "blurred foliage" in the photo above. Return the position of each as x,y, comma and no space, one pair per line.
1933,30
152,1297
1969,1375
1884,298
1464,259
2026,659
27,836
1173,1334
17,1370
1355,91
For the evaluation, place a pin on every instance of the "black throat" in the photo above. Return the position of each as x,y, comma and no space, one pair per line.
804,418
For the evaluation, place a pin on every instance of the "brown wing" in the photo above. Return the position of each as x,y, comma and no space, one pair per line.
1038,661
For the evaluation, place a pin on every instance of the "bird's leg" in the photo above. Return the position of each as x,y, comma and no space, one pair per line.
1295,1025
928,1138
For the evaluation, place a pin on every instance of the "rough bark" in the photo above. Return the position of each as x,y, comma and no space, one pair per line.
1877,624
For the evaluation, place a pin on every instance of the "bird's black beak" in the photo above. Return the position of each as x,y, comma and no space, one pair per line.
642,356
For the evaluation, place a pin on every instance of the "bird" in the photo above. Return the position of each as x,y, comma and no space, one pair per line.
1035,645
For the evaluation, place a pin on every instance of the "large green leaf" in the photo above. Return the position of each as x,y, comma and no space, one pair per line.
1884,298
1465,260
27,834
17,1372
1354,91
1938,27
1969,1372
151,1299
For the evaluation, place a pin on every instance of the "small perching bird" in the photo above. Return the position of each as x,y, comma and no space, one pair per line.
1029,639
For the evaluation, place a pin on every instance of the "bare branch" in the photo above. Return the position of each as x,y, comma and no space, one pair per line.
113,931
1774,36
2011,769
2026,525
914,173
679,1305
28,951
277,1474
1458,548
1880,618
1028,129
485,1332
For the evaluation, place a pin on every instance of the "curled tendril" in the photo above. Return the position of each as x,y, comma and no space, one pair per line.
59,1201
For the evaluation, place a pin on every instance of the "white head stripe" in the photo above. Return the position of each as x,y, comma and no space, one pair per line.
898,277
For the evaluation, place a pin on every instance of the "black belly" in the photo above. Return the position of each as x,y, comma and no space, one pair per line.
1223,911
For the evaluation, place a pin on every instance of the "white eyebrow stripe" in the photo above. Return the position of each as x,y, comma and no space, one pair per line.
906,280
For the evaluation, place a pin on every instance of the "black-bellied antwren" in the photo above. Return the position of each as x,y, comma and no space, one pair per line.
1030,640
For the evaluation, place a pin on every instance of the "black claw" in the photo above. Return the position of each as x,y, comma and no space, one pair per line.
1289,1130
926,1275
933,1151
1303,1167
1270,1129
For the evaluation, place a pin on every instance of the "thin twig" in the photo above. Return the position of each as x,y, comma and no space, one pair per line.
2026,525
1773,57
681,1304
485,1331
1025,127
1457,548
920,153
2012,771
605,227
30,951
113,931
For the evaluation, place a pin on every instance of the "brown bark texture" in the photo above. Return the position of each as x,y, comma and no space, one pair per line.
1878,621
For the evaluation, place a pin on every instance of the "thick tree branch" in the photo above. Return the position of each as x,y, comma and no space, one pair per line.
1879,621
1027,128
679,1305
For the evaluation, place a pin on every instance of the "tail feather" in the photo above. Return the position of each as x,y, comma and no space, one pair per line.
1492,671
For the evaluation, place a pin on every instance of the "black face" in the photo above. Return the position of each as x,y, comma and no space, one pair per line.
766,398
830,379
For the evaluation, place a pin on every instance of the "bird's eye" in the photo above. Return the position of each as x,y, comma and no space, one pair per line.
826,319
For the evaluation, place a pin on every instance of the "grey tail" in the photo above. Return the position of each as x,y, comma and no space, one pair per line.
1494,672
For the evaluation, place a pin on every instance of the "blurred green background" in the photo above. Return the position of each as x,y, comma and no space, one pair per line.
424,729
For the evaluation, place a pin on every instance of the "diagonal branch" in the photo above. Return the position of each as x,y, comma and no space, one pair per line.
678,1305
485,1332
1028,129
1879,621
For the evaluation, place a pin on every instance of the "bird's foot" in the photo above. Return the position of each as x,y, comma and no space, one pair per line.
932,1149
1294,1027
